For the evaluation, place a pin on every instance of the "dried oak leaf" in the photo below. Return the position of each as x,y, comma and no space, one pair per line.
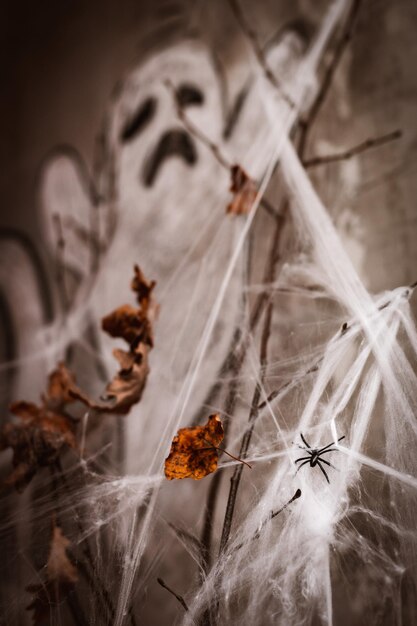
61,576
37,440
244,190
193,451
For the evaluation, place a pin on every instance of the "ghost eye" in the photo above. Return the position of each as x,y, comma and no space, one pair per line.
188,95
141,118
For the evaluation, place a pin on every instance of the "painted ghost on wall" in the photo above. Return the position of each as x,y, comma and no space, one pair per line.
158,199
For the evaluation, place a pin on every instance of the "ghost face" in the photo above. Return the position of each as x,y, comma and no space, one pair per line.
163,175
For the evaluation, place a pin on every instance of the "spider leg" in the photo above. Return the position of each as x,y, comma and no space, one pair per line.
300,466
331,444
302,458
329,450
323,470
327,463
301,447
304,441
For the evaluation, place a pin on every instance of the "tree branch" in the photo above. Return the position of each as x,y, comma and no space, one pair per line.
176,595
368,144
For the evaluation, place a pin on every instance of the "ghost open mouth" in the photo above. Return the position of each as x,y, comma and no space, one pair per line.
172,143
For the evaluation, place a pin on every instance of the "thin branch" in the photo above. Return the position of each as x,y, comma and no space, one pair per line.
314,368
271,517
354,151
93,579
184,535
196,132
257,49
326,83
295,497
277,392
206,535
254,412
211,145
176,595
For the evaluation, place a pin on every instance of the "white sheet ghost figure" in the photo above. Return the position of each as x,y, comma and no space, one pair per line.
158,199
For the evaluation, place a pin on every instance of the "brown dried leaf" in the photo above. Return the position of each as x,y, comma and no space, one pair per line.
37,440
244,190
61,576
134,325
127,386
193,451
128,323
61,387
59,568
143,289
44,432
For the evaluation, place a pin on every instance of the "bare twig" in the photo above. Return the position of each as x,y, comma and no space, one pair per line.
206,535
196,132
295,497
354,151
271,516
257,49
90,573
327,81
184,535
211,145
254,412
274,394
176,595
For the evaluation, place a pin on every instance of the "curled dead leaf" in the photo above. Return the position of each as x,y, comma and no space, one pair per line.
61,576
244,190
44,432
61,387
194,451
143,289
37,440
134,325
129,324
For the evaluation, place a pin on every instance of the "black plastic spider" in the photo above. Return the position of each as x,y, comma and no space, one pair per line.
315,454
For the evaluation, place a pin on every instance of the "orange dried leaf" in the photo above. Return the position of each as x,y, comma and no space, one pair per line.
61,576
193,451
244,190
